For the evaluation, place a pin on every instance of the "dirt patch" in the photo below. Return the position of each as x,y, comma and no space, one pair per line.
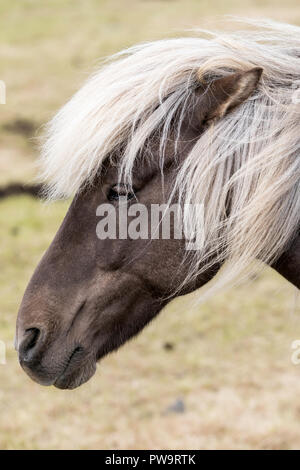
16,189
21,126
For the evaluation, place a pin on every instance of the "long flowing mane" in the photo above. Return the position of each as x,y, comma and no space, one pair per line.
251,155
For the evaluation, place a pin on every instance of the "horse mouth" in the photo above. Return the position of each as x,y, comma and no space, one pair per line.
78,370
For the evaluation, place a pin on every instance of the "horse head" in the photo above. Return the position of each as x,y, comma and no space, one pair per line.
166,124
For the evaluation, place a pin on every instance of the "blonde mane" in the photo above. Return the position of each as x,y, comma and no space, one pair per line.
252,154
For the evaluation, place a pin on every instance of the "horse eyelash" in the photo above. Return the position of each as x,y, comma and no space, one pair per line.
114,189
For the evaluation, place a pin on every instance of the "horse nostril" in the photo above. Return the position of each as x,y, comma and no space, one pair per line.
28,345
33,336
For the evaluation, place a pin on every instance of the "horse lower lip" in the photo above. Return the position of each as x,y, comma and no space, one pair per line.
63,382
69,367
74,377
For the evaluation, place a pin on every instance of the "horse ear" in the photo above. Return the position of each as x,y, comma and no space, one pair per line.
226,93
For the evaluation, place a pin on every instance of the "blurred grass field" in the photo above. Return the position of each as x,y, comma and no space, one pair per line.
228,361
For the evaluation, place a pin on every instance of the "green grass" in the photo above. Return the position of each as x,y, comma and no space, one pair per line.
26,229
230,361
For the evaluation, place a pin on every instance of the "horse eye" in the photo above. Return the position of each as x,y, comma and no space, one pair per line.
119,191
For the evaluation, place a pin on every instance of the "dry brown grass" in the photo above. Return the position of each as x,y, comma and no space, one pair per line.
230,362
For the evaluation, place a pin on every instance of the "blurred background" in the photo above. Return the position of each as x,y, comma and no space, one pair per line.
215,376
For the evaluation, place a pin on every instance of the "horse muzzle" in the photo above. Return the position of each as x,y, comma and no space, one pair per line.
62,365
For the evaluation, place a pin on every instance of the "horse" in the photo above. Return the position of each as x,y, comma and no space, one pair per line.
207,122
